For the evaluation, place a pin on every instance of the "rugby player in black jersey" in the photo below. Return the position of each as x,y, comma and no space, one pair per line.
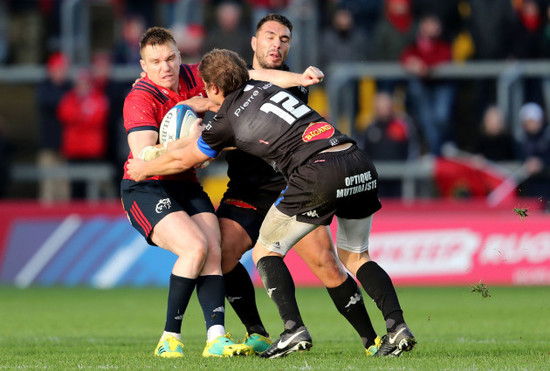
253,187
326,174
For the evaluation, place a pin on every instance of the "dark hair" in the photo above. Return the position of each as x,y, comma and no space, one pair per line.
225,69
156,36
276,18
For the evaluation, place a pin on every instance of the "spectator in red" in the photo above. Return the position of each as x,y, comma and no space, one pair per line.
84,114
393,32
431,99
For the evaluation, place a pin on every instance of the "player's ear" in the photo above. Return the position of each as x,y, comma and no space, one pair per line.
215,89
143,65
253,43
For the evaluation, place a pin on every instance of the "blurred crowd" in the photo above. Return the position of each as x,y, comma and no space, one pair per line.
410,117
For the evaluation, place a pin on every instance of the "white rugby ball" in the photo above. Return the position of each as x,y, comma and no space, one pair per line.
176,123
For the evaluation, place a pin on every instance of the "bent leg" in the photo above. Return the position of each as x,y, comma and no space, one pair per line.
278,234
319,253
189,244
317,250
190,247
239,288
352,239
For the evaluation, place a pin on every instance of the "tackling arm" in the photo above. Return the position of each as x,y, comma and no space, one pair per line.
311,76
172,162
183,155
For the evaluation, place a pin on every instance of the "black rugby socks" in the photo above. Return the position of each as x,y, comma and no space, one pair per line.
379,287
240,293
179,293
280,287
210,292
348,300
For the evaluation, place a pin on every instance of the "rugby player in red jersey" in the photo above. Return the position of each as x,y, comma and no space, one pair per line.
173,212
326,173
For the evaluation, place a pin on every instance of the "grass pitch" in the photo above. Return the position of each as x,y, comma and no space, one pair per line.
456,329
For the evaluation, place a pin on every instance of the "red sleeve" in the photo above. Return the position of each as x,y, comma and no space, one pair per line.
138,112
444,53
409,51
67,109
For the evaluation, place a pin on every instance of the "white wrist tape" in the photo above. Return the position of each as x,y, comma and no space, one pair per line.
149,153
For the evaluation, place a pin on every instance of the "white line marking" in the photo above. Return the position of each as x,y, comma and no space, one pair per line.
119,263
50,247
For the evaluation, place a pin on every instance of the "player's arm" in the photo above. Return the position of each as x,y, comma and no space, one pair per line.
200,104
172,162
143,144
285,79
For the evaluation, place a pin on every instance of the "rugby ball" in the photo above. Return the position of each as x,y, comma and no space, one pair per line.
176,123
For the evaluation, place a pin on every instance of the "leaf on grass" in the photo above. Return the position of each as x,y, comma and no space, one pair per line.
482,289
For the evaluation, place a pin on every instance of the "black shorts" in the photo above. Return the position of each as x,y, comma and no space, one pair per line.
343,183
147,202
248,210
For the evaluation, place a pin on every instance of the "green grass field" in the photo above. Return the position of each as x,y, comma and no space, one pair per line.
81,328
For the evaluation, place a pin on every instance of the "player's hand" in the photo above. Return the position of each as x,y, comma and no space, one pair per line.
198,104
142,75
196,128
311,76
136,169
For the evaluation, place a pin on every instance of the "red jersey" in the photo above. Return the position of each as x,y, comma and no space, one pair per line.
84,122
431,52
147,103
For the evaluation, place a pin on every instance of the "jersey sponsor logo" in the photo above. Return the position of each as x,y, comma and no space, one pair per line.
246,103
357,183
318,130
164,203
311,214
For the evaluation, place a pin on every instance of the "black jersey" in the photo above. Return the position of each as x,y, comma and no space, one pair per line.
248,173
269,122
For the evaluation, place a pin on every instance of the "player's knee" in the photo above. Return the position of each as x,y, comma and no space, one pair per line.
353,260
330,272
193,248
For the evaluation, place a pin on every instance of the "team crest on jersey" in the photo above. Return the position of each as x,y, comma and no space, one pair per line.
317,130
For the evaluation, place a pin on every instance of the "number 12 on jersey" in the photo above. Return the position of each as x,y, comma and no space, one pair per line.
289,110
